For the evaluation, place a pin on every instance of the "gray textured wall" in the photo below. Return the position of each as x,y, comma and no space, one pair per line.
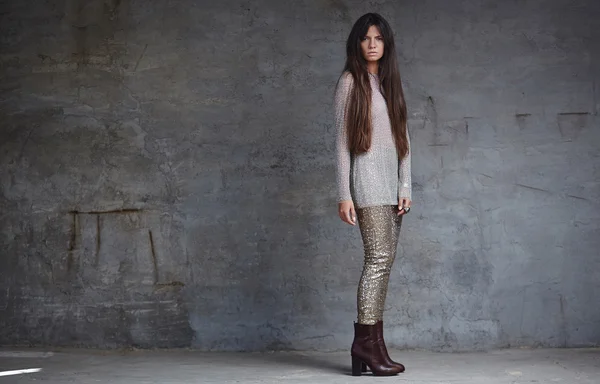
167,174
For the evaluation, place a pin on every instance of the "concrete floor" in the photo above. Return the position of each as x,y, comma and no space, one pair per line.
569,366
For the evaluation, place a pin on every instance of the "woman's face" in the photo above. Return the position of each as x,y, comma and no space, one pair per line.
372,44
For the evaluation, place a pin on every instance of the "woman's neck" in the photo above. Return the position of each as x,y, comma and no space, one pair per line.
373,67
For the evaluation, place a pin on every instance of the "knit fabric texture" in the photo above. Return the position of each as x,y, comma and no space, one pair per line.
377,177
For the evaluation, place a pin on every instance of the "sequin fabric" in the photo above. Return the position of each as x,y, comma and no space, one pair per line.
376,177
379,228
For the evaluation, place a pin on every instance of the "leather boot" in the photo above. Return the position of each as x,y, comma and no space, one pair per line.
384,352
366,350
381,343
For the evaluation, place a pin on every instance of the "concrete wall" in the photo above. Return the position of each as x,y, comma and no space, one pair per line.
167,175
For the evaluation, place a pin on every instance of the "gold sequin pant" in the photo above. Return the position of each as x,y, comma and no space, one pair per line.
380,229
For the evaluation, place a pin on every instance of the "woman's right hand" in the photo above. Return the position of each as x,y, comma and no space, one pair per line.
347,212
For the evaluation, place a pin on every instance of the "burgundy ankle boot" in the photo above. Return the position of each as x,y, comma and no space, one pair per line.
367,351
384,352
381,342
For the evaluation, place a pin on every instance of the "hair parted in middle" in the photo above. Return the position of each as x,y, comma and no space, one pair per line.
358,108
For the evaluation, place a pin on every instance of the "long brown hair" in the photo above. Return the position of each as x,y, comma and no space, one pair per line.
358,109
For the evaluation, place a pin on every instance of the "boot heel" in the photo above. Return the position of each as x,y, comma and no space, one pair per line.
363,367
356,366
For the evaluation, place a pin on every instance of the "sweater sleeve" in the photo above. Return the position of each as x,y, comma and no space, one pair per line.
343,159
404,176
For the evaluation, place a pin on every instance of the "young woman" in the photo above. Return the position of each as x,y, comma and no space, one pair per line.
373,175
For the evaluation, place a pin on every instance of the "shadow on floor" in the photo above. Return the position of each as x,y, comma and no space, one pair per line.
321,362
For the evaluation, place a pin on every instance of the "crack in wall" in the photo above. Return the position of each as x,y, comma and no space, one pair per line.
153,255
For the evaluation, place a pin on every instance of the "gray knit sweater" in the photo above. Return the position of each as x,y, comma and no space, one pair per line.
376,177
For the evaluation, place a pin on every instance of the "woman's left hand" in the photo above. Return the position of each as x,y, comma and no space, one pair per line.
403,202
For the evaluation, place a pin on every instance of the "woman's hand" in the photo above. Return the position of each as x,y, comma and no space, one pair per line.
402,203
347,212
